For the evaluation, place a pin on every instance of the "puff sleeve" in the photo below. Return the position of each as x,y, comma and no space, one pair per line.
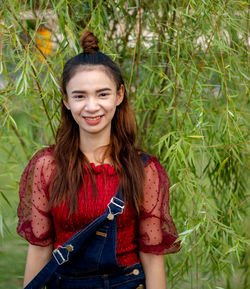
34,222
157,231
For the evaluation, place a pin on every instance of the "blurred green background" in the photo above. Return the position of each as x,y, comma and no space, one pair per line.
186,66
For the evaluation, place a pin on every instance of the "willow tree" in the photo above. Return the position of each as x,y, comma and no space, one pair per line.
186,69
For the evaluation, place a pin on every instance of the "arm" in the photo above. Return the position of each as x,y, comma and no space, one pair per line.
154,269
157,232
37,258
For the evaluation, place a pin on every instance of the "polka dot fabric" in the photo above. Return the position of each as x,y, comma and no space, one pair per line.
34,216
157,231
152,232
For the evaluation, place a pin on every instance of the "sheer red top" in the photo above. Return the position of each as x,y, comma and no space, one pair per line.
153,231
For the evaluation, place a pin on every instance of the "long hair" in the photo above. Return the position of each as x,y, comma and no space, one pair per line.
122,151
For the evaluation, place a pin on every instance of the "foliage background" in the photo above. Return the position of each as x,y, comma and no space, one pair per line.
186,68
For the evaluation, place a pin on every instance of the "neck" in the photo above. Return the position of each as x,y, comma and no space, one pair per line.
94,145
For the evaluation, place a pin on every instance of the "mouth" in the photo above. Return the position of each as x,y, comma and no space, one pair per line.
93,120
92,117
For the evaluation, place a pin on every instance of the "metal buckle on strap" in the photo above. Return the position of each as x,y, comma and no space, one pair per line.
56,253
111,215
113,202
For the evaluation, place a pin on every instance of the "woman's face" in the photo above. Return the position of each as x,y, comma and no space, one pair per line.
92,98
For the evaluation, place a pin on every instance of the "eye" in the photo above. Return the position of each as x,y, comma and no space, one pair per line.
79,96
103,94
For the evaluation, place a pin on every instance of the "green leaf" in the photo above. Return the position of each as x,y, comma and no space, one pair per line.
221,166
5,198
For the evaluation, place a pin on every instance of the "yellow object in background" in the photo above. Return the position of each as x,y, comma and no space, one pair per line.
43,40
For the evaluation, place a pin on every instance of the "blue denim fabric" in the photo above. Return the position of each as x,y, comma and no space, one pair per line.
95,264
128,278
97,254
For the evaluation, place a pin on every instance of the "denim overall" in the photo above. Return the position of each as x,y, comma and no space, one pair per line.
88,260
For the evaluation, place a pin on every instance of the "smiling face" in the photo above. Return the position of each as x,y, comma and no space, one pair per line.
92,98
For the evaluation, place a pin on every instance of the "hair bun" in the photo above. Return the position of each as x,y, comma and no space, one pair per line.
89,42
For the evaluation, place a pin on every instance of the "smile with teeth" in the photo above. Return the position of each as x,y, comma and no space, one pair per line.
92,118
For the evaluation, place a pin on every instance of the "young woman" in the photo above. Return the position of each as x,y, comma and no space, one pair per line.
68,185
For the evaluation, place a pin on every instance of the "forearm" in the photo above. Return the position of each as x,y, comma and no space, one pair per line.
37,258
154,269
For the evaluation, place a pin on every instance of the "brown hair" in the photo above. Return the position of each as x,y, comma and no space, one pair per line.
124,155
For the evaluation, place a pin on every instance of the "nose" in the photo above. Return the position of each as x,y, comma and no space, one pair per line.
92,104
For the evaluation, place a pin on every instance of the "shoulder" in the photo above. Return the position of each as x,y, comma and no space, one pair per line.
44,155
150,160
154,169
42,160
38,170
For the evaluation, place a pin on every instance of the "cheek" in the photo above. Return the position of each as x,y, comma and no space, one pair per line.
75,107
76,114
112,110
112,105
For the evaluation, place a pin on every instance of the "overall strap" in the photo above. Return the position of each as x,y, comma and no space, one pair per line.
144,158
63,254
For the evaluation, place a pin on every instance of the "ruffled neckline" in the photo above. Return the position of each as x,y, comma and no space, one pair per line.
106,169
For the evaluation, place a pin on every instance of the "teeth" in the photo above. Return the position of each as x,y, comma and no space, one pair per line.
92,118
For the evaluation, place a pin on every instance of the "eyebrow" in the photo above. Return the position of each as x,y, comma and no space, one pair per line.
98,90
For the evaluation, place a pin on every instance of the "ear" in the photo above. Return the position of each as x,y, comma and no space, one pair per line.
120,95
66,104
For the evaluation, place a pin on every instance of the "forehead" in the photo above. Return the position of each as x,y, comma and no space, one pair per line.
90,77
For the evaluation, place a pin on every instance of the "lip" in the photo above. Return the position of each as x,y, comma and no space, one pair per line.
93,120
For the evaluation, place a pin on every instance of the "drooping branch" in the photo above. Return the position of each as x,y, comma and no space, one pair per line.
138,46
202,63
16,132
34,72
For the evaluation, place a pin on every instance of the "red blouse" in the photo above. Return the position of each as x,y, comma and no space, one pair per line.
152,232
